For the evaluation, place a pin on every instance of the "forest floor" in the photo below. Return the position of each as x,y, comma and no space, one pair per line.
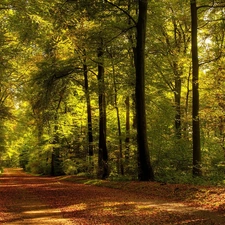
27,199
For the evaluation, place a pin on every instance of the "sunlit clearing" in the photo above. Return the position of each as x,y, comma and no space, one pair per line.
76,207
53,211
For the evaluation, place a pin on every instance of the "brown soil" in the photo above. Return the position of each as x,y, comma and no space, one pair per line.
26,199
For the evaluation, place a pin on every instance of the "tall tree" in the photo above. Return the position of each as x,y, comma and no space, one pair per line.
120,166
103,169
195,91
145,170
89,116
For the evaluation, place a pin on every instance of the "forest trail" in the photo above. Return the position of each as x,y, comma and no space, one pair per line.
19,205
26,199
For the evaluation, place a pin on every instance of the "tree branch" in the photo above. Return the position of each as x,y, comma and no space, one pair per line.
211,60
122,32
170,84
124,11
209,21
66,72
4,8
214,5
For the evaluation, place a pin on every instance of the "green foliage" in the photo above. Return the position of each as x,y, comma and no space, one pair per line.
75,166
38,163
24,158
43,100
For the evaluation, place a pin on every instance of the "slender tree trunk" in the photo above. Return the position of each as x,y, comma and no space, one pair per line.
127,140
120,159
145,171
89,117
56,162
133,57
185,125
120,156
195,92
103,170
134,96
177,70
39,134
177,96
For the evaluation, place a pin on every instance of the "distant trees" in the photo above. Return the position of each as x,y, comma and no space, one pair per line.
104,88
8,47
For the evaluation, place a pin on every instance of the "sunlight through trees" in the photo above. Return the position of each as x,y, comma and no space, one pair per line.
113,89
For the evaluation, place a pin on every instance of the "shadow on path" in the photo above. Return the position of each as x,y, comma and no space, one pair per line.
46,200
20,206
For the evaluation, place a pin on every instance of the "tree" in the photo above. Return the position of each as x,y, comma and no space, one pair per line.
145,171
195,92
89,115
120,165
103,169
67,66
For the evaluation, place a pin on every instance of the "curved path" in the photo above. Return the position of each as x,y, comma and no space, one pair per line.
31,200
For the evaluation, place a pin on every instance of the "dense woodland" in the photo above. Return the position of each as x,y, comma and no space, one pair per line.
120,89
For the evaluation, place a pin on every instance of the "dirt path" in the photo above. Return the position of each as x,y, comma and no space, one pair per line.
20,206
42,200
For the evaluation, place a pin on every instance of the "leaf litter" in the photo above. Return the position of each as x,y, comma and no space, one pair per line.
68,200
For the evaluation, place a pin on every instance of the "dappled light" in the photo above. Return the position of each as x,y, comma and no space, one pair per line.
123,90
38,200
112,112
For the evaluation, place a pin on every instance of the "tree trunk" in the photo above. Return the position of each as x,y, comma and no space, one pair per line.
185,125
127,140
103,170
195,92
120,156
89,117
145,171
56,162
177,96
133,57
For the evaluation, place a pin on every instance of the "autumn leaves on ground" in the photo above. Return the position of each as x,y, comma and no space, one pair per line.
26,199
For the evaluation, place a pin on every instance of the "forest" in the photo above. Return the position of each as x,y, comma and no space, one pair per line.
114,89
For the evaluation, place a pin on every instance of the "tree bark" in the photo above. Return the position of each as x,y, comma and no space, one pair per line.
56,162
177,96
120,156
103,170
89,117
132,54
195,92
127,140
145,171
